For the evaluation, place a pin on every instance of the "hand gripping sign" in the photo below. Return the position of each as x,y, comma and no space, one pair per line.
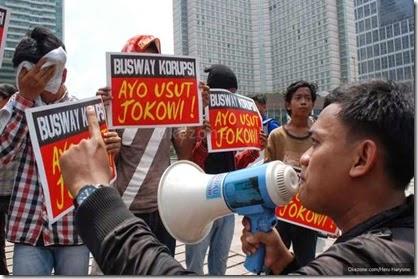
235,122
53,129
151,90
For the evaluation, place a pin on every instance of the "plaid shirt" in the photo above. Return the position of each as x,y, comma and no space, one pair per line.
28,219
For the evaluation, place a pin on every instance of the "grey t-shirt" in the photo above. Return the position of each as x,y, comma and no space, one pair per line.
143,157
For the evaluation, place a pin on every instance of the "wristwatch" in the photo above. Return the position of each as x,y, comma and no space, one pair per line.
84,193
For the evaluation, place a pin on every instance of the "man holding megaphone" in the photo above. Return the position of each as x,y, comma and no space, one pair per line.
363,192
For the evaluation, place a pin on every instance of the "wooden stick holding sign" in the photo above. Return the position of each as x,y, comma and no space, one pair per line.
235,122
4,25
53,129
151,90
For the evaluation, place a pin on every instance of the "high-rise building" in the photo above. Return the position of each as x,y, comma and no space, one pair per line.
270,43
26,14
385,39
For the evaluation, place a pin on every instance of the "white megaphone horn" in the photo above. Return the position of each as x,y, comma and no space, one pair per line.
190,200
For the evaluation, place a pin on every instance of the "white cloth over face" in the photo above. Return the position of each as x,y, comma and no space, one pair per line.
57,57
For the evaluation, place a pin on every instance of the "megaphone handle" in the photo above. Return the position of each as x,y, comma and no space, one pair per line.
259,222
255,262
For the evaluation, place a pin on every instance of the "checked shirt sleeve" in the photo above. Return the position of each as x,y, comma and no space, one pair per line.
15,132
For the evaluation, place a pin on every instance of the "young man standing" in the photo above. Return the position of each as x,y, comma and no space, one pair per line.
7,175
287,144
40,247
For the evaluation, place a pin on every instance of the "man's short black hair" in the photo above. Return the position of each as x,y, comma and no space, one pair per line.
260,98
7,90
221,76
292,88
37,42
385,112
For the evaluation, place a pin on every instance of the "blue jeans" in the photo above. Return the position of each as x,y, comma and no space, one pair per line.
219,239
40,260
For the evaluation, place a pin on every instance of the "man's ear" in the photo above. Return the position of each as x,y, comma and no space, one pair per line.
64,76
365,157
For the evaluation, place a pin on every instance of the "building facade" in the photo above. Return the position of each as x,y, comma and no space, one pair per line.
270,43
26,14
385,39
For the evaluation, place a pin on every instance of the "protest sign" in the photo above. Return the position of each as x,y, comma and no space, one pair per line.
235,122
151,90
53,129
4,24
295,213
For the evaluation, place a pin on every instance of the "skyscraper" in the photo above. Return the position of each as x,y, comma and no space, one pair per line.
385,39
26,14
270,43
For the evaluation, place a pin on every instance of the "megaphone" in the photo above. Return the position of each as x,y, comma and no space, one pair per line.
190,200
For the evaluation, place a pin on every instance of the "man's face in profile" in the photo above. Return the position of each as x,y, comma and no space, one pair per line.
326,165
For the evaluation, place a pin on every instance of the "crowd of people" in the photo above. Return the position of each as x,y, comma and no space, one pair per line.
354,162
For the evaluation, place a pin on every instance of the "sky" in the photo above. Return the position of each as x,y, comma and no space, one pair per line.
93,27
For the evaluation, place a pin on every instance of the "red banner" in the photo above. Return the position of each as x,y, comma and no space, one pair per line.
235,122
296,214
53,129
4,24
153,90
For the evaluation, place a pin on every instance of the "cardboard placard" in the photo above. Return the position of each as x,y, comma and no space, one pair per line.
235,122
53,129
152,90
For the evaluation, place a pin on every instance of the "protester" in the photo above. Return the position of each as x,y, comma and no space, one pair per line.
7,175
145,155
356,172
287,144
269,124
40,247
370,134
220,237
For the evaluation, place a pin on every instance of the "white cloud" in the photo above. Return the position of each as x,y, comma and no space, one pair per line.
95,26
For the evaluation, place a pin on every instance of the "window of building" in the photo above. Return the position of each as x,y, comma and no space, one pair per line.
368,37
411,41
398,44
382,33
411,25
361,26
362,39
399,73
377,64
366,10
398,59
392,75
407,72
370,66
389,31
360,12
369,52
405,42
404,26
376,48
406,57
367,24
390,46
384,62
363,54
375,36
373,8
374,22
391,61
